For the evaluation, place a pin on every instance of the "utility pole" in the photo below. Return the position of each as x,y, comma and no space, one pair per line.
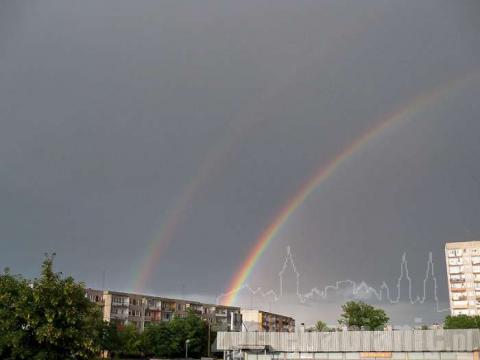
209,340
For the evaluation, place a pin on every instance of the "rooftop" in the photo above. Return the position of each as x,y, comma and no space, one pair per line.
462,245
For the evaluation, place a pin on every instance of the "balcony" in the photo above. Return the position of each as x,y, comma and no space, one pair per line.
455,262
118,316
120,303
460,304
455,270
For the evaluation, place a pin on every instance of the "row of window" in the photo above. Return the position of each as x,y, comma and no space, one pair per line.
460,261
461,269
461,252
464,312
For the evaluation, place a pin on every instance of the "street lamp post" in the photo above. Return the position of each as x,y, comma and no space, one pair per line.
186,348
209,339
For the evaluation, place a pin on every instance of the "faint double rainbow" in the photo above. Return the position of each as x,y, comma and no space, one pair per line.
218,154
325,172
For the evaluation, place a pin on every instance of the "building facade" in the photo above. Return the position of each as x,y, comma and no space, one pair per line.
352,345
463,273
258,320
141,310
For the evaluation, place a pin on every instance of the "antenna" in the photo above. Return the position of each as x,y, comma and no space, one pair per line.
103,278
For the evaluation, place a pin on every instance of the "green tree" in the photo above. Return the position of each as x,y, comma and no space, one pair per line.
47,318
321,326
17,340
190,328
65,322
130,341
358,315
158,340
167,340
110,338
461,322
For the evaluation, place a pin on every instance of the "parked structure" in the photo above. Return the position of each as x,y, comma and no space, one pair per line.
258,320
352,345
463,273
141,310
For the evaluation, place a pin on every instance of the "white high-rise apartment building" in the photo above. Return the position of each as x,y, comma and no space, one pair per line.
463,273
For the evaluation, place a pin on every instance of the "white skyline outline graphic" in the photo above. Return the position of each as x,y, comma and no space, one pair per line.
380,294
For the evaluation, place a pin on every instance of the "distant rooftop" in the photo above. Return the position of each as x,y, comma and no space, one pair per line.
462,244
161,298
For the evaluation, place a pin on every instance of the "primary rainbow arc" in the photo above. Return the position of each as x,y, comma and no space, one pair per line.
325,172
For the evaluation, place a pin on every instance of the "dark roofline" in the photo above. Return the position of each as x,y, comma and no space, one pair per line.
161,298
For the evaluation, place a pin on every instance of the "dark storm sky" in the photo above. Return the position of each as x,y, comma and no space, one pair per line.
109,110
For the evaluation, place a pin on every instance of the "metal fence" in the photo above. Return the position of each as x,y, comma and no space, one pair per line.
354,341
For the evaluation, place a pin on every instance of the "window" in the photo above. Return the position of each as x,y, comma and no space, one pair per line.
455,261
456,269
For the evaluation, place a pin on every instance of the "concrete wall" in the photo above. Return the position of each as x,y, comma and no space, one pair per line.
360,356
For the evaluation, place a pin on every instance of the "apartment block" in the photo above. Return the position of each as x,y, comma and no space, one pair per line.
141,310
258,320
463,273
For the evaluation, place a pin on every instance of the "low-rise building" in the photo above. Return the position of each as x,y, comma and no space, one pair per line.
141,310
259,320
351,345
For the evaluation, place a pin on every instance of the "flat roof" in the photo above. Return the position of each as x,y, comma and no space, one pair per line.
354,341
161,298
267,313
462,244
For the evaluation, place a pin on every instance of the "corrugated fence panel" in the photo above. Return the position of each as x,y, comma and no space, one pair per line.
351,341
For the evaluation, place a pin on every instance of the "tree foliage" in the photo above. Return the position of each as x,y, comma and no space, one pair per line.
110,338
51,318
17,340
158,340
130,341
321,326
360,315
168,339
461,322
47,318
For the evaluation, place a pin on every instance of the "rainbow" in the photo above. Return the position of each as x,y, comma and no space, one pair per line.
215,156
323,174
